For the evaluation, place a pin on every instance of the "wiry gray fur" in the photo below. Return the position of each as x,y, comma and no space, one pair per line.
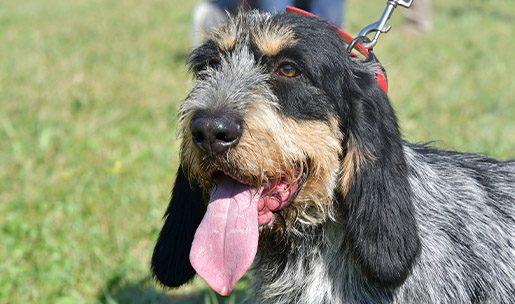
465,210
239,81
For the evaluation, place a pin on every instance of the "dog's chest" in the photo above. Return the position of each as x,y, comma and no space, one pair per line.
316,272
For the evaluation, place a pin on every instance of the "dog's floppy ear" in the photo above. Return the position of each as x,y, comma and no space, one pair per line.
375,195
170,261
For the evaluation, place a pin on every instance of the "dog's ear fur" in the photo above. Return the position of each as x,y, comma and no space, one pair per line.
375,195
170,261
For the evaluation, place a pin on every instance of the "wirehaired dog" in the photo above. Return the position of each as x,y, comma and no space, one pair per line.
292,163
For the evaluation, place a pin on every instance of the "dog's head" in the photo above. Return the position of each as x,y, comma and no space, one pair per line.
282,132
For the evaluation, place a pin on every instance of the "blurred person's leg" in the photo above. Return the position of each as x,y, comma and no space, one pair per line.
330,10
420,16
227,5
274,6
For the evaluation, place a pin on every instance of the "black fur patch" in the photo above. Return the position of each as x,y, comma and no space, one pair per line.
378,213
170,261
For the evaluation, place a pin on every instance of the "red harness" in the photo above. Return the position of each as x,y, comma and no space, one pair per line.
382,79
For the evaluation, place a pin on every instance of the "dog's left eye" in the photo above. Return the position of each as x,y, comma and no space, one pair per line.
287,70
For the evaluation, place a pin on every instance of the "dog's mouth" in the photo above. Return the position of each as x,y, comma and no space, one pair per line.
275,195
226,240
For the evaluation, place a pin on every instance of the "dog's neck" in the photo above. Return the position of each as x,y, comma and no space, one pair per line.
294,268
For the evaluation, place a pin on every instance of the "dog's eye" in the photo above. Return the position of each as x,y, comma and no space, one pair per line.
214,64
287,70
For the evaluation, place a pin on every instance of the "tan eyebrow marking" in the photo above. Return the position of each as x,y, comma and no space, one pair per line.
272,39
225,37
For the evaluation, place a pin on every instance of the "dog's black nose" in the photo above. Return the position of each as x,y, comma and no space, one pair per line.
215,134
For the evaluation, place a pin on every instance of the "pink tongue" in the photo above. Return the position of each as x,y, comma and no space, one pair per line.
225,243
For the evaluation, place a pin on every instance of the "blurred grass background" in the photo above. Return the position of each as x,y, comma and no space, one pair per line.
88,97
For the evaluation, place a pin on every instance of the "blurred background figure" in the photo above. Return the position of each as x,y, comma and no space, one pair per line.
206,16
419,16
330,10
209,14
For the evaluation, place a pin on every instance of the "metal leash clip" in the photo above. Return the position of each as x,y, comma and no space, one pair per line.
378,27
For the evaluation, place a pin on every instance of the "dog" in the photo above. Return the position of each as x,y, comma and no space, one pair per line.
292,165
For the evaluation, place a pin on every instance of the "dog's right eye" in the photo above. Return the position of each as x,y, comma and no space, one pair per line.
214,64
288,70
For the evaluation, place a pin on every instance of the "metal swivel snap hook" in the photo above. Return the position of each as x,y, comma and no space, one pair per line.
380,26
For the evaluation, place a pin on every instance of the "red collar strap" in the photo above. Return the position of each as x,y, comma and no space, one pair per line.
382,79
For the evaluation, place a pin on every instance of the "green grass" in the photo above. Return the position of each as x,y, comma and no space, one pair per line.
88,152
